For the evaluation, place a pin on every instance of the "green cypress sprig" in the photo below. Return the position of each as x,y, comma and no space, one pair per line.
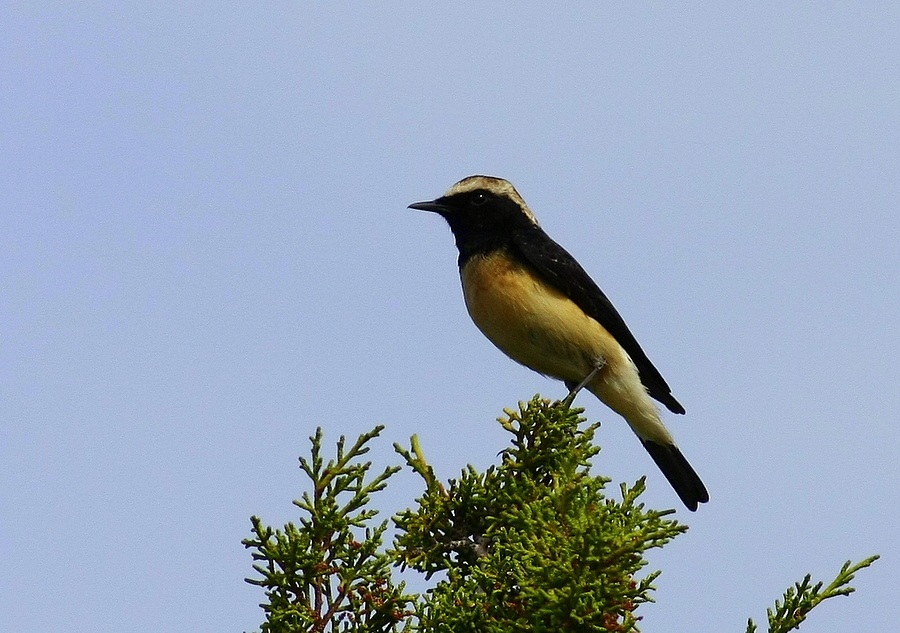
329,574
533,542
799,600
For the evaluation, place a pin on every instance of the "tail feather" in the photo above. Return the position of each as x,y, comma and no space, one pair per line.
679,472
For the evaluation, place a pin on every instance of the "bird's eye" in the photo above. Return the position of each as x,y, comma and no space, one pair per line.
479,199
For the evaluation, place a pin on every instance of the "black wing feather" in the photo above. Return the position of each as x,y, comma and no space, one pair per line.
556,265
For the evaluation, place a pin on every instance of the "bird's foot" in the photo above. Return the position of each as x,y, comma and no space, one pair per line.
575,388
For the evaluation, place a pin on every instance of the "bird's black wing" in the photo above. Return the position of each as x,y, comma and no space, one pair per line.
558,267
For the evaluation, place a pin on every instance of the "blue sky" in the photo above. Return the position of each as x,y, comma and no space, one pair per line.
205,253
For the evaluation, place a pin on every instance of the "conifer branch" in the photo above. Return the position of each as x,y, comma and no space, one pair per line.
790,612
533,543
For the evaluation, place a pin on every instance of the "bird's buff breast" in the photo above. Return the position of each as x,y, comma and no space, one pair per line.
532,322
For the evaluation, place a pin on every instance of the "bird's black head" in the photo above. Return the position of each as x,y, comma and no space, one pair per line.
482,211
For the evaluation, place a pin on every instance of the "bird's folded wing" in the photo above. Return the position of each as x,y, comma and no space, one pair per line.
561,270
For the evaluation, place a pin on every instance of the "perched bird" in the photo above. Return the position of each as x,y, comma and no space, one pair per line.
532,300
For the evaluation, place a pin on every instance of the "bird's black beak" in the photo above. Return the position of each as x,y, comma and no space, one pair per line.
432,205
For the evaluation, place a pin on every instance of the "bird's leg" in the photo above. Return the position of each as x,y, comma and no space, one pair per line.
575,388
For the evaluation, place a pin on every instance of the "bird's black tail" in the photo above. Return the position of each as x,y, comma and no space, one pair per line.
679,473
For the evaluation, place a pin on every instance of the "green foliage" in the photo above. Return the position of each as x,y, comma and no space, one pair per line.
532,544
325,575
798,601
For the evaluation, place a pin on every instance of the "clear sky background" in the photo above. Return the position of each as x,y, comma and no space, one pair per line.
205,252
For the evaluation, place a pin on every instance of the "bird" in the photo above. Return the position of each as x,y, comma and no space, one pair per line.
536,303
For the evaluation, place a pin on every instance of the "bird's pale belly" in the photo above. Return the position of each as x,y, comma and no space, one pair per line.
533,323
